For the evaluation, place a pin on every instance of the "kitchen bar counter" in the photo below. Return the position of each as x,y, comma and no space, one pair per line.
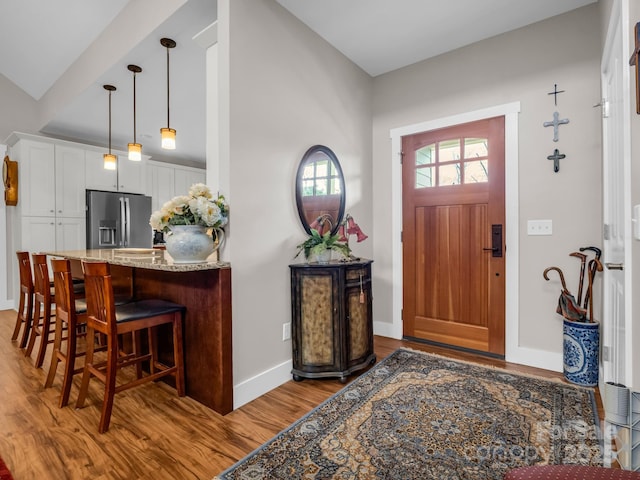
149,258
204,288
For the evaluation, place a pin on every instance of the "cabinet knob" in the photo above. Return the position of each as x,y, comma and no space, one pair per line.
50,211
59,211
52,223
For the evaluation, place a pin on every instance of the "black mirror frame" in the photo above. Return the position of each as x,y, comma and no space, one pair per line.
332,156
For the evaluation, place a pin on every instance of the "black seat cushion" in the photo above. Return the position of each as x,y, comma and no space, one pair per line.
81,303
146,308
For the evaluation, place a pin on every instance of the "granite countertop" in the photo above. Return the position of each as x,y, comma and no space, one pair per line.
152,259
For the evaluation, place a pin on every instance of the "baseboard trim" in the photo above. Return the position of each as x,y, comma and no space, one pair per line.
386,329
260,384
536,358
7,305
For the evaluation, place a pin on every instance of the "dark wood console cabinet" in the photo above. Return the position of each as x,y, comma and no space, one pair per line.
332,326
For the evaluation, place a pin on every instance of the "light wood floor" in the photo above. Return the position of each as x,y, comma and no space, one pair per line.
153,434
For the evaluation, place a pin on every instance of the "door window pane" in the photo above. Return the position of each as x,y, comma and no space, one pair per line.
475,147
449,175
424,177
426,155
476,172
449,150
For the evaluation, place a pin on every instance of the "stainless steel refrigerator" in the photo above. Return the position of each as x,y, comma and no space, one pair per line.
118,220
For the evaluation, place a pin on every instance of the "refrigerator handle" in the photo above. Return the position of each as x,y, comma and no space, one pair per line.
123,221
127,210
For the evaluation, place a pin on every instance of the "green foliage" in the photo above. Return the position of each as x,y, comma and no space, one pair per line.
317,243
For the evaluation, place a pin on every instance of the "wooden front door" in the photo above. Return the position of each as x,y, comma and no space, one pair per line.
453,230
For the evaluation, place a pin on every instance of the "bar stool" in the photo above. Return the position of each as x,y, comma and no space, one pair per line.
105,318
25,307
44,298
72,314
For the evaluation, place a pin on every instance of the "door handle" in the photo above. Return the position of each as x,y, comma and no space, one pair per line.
614,266
496,241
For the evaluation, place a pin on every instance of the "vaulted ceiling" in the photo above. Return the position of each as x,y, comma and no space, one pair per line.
48,43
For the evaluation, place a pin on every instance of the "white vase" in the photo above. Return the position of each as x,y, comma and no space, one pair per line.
192,243
324,257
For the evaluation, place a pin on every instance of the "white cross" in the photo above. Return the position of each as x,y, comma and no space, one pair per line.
555,124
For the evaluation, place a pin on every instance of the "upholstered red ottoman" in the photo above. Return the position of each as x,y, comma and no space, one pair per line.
570,472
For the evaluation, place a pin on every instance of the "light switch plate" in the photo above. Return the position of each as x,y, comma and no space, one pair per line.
539,227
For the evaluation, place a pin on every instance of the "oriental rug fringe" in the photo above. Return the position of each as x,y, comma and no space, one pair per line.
421,416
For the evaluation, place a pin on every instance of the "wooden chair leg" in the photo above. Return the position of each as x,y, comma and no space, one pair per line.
178,355
109,384
19,318
86,373
55,356
45,333
69,367
27,317
35,325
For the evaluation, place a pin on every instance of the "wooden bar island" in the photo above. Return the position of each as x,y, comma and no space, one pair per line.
203,288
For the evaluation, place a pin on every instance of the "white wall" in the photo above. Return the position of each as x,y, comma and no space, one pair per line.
520,66
287,90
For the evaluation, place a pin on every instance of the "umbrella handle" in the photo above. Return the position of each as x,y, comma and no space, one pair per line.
546,277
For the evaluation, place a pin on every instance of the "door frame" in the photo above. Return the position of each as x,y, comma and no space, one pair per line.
513,351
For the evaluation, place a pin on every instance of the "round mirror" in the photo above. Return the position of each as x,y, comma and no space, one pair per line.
320,190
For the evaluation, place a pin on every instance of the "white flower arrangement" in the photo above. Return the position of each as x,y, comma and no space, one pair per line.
196,208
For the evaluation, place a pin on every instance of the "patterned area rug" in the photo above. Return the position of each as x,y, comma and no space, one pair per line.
421,416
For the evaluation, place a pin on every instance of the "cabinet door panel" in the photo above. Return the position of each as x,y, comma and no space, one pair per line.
70,233
36,178
131,175
317,321
96,177
185,178
162,185
358,323
70,182
38,234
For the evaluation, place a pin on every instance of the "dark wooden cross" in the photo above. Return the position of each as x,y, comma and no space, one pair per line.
556,157
635,60
555,93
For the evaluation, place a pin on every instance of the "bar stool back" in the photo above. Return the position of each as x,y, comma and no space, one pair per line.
25,307
133,317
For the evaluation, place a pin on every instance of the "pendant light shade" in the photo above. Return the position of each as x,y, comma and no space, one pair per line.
109,160
168,134
135,149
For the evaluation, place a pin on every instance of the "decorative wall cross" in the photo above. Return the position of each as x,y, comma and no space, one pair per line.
555,124
555,93
556,157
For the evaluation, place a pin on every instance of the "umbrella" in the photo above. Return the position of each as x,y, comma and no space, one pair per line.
568,307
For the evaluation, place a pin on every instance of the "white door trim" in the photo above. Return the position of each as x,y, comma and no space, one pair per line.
513,351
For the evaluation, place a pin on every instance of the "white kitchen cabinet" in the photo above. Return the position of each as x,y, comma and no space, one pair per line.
129,177
70,178
96,177
36,173
185,177
71,233
165,181
160,186
38,234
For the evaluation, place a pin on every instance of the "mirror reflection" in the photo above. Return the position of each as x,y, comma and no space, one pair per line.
320,195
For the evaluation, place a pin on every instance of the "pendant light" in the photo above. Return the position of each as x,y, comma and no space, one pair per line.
110,160
168,134
135,149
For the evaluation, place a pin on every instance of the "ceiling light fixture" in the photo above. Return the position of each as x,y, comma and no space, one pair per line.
135,149
168,134
110,160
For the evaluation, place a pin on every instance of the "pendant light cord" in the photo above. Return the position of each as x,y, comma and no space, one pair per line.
109,122
134,107
168,124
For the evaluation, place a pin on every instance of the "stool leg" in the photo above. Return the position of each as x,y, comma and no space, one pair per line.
55,356
35,325
20,317
27,318
178,356
86,373
70,364
45,333
109,383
